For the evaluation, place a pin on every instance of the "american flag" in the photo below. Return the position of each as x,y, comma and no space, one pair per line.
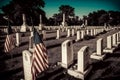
9,41
39,57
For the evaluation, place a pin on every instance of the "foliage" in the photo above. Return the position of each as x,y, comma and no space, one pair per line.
100,17
31,8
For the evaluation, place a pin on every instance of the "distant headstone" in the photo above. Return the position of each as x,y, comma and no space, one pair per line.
82,34
58,34
24,26
87,32
17,39
68,33
73,32
31,45
91,32
40,24
27,64
109,48
63,22
94,30
31,33
67,54
118,38
78,36
114,40
44,34
99,55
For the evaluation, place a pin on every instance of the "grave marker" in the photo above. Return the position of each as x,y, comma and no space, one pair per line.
109,48
17,39
73,32
27,64
24,26
83,67
99,55
68,33
114,40
67,54
58,34
78,35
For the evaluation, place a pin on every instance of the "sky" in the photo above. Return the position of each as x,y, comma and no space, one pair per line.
82,7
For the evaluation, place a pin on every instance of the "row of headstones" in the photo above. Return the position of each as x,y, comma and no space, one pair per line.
82,67
74,27
80,33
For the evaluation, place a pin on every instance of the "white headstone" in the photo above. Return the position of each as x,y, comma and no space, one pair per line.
58,34
31,43
44,34
24,26
40,24
68,33
27,64
114,39
73,32
78,36
109,48
17,39
67,53
82,34
87,32
83,67
99,55
94,32
31,33
118,40
99,46
109,42
83,59
91,32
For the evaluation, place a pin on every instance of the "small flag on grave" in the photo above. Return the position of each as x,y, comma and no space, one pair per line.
9,41
39,57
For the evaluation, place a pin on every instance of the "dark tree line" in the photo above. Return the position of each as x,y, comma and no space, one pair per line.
34,8
102,17
31,8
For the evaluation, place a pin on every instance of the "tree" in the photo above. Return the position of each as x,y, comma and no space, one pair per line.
31,8
69,13
104,18
68,10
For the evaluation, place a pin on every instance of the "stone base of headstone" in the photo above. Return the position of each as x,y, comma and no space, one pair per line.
63,65
64,24
116,45
97,57
40,26
108,50
77,74
23,28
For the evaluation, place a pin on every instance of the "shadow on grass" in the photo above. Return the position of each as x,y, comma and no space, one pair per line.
24,43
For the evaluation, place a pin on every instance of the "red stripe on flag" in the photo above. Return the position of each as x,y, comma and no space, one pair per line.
39,60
